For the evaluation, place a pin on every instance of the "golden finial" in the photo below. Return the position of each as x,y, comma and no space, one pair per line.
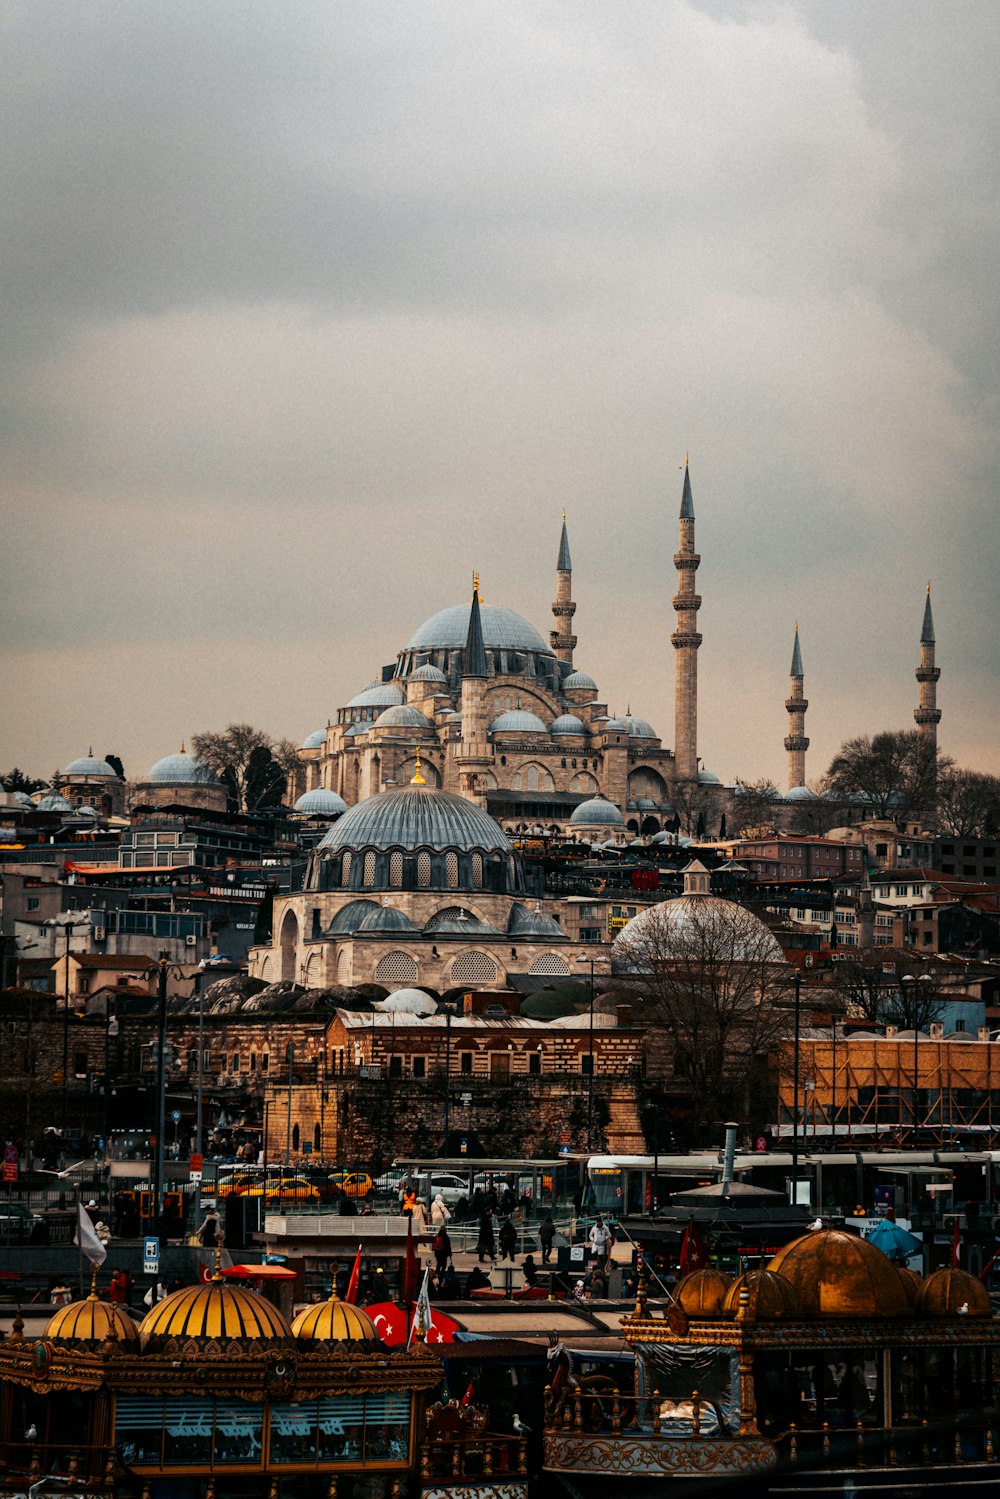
686,457
219,1240
796,626
564,517
928,585
417,779
183,750
94,1267
333,1288
475,582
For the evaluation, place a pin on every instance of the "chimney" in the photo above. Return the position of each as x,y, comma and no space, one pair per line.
730,1160
984,1033
936,1030
890,1031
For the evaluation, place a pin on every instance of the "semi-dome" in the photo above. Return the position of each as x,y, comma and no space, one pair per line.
427,673
407,1002
334,1321
90,1322
319,802
54,803
706,778
951,1292
799,794
181,769
771,1298
403,716
461,922
525,922
92,768
213,1317
315,740
378,695
518,721
598,810
385,919
349,918
638,728
837,1274
416,817
579,681
502,630
685,926
702,1293
568,723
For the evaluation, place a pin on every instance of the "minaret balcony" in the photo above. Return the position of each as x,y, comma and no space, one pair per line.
686,561
796,704
685,640
796,743
928,673
564,610
927,715
687,601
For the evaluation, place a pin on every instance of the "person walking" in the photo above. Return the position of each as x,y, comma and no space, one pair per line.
601,1240
485,1244
530,1270
439,1212
210,1229
508,1240
546,1234
441,1246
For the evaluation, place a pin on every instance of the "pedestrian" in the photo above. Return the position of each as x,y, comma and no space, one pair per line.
450,1288
530,1270
546,1233
418,1214
601,1240
118,1289
60,1294
102,1231
476,1280
210,1229
441,1246
439,1212
485,1244
408,1201
508,1240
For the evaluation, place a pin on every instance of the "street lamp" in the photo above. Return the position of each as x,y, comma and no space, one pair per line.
449,1012
111,1029
289,1058
69,926
911,983
590,1060
795,1093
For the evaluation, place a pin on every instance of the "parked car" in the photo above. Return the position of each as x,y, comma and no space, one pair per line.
444,1184
19,1225
284,1188
352,1183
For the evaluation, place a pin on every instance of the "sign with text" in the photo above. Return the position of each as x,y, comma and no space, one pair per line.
151,1256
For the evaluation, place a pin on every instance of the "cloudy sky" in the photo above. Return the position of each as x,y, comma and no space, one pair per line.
311,309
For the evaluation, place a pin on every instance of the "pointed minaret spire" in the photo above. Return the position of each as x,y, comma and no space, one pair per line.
474,660
562,638
796,704
475,757
927,714
686,641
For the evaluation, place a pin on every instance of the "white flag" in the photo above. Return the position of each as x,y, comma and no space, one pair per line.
86,1238
423,1306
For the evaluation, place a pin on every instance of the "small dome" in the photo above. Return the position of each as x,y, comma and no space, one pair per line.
682,926
22,798
92,768
350,917
320,803
612,725
378,695
544,1005
568,723
463,922
702,1293
837,1274
912,1284
53,803
407,1002
427,673
772,1297
524,922
90,1322
181,769
706,778
334,1321
799,794
947,1291
579,681
211,1318
316,740
385,919
402,716
89,814
638,728
597,810
518,721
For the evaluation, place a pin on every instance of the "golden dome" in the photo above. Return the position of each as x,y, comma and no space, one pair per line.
702,1293
837,1274
912,1284
772,1298
944,1293
334,1321
213,1317
91,1321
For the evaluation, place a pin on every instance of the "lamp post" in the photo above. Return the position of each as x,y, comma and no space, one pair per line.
162,968
69,926
111,1029
289,1058
590,1060
449,1011
795,1093
199,1149
911,985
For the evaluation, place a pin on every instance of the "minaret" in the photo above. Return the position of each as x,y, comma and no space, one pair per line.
475,756
562,638
796,704
928,714
685,641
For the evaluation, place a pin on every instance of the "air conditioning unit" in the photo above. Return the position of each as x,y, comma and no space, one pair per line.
98,934
191,941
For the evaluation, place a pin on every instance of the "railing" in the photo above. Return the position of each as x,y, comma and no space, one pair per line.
470,1457
967,1438
76,1463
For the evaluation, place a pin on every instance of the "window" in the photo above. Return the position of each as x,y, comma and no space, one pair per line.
33,903
265,1062
80,1064
587,1063
534,1061
465,1062
396,1066
253,1061
419,1067
234,1062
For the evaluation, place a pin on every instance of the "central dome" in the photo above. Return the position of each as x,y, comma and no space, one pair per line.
683,927
837,1274
502,630
208,1318
416,817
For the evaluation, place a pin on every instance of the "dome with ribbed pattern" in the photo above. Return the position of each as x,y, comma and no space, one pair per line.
90,1322
502,630
414,817
334,1321
213,1318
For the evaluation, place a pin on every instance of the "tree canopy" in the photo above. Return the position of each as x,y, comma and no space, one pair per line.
16,780
890,772
254,766
968,803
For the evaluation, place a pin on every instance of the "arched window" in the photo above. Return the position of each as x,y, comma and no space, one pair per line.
473,968
345,873
423,869
396,868
369,873
317,1139
550,963
451,870
537,778
584,782
295,1138
395,968
477,870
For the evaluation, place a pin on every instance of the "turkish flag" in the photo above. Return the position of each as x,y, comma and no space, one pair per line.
392,1323
351,1293
694,1254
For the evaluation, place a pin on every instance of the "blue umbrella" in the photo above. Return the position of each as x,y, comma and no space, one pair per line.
893,1241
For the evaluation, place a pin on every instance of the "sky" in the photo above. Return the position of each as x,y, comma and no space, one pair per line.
310,310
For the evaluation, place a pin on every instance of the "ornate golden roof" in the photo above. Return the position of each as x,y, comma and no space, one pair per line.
771,1296
334,1321
912,1284
702,1293
214,1317
837,1274
948,1291
91,1321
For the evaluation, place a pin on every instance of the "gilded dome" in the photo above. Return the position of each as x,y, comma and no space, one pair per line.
772,1297
947,1291
837,1274
91,1321
912,1284
334,1321
214,1317
702,1293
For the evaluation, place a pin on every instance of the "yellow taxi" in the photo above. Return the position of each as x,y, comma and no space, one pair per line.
287,1188
352,1183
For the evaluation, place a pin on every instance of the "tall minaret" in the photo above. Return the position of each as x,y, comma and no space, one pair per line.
795,705
685,641
562,638
474,757
928,714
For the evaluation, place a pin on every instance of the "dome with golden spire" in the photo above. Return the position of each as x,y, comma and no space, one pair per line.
334,1321
90,1322
837,1274
702,1293
951,1292
214,1317
771,1298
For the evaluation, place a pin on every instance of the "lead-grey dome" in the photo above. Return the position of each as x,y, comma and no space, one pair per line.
568,723
385,919
316,740
320,803
181,769
579,681
523,922
54,803
799,794
518,721
427,673
638,728
687,926
93,768
502,630
460,922
402,716
597,810
706,778
378,695
349,917
416,817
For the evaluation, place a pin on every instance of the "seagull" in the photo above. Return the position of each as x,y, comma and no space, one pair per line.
963,1310
31,1433
520,1430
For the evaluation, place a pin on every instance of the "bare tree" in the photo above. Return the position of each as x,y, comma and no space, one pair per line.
236,754
968,803
890,772
754,804
885,987
693,804
710,981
